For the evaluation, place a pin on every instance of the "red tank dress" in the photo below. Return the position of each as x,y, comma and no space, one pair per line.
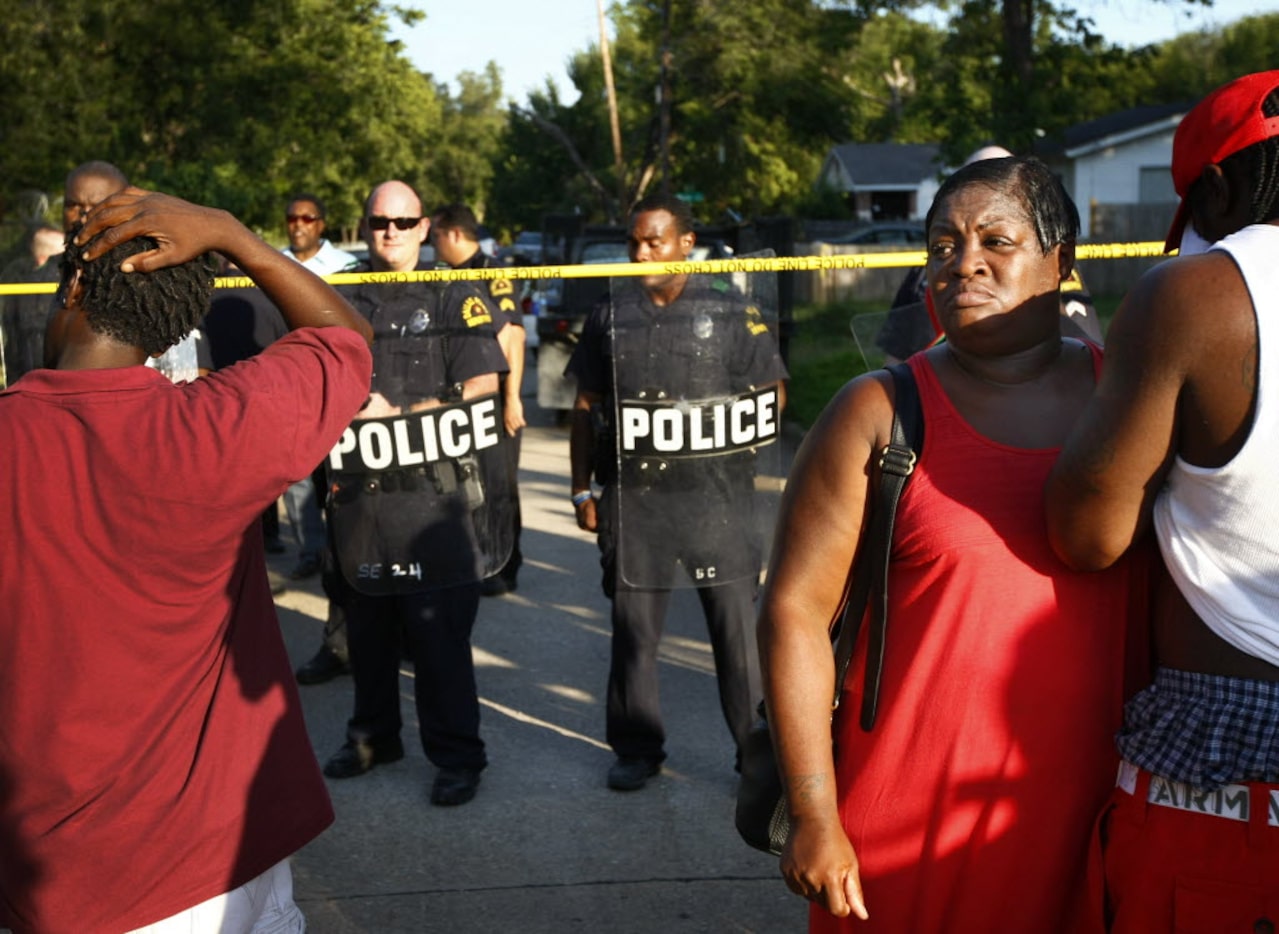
971,805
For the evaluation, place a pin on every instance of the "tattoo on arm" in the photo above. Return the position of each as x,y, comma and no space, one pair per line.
803,788
1250,370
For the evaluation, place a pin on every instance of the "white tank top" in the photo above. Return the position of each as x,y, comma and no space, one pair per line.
1218,528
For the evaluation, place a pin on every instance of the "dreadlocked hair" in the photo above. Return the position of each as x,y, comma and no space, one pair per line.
1259,163
151,310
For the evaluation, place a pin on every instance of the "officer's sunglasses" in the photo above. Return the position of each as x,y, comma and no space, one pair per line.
302,218
377,222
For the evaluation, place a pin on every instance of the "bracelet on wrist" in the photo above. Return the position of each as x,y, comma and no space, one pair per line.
580,497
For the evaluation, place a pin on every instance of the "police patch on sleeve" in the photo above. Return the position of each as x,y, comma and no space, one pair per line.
755,321
501,287
475,312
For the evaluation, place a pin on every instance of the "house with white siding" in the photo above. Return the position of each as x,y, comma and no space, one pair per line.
1118,171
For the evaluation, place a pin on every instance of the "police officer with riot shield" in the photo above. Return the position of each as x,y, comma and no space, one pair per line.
680,391
420,496
455,234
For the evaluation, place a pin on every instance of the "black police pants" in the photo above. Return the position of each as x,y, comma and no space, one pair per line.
634,719
435,628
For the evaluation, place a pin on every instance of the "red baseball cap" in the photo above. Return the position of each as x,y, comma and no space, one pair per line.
1226,121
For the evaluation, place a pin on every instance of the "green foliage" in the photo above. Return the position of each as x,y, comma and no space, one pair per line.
237,104
823,202
242,104
886,67
1184,68
824,354
468,145
753,119
534,174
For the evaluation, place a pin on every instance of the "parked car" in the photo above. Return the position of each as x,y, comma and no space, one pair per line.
528,243
890,233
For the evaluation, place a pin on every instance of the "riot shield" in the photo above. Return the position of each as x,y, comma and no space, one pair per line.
691,490
422,500
180,363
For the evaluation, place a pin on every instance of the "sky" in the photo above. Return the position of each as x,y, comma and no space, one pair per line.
532,40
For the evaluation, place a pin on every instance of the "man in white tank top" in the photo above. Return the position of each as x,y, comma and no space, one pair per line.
1182,438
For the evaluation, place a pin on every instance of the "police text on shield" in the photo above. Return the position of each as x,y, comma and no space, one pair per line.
440,434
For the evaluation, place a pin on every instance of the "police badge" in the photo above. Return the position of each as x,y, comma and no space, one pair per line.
703,327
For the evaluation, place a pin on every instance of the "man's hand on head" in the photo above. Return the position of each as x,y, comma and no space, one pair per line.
182,230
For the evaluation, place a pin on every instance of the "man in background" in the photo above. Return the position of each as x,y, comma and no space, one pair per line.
305,220
25,316
90,183
455,234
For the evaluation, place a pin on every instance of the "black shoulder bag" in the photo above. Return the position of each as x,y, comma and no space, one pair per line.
763,819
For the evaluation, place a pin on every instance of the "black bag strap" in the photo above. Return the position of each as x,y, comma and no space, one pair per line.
870,578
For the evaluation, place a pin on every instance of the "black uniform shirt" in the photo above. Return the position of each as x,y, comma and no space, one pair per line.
428,338
709,342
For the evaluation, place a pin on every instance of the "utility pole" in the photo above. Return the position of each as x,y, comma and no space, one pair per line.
664,100
619,167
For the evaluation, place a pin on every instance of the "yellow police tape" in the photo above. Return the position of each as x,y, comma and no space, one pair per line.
609,270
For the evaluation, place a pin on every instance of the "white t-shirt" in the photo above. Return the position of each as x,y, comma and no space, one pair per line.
1218,528
328,260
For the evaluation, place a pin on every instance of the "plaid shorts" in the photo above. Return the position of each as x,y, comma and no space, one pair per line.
1204,730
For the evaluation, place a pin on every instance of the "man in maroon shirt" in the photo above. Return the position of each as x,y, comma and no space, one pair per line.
153,758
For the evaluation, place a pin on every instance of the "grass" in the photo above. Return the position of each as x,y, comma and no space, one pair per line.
831,344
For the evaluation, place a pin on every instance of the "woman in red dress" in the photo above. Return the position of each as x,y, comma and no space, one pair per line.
970,805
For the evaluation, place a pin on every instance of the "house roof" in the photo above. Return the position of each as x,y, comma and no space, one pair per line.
1122,126
886,165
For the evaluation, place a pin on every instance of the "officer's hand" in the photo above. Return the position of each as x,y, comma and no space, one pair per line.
514,416
585,511
378,406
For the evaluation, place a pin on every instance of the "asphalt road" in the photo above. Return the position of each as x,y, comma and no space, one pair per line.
545,846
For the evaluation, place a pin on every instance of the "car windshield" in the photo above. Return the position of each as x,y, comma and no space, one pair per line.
604,253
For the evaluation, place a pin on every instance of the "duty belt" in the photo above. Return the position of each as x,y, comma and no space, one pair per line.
444,478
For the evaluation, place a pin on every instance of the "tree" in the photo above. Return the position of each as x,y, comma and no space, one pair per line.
888,68
538,170
467,144
238,104
1185,68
